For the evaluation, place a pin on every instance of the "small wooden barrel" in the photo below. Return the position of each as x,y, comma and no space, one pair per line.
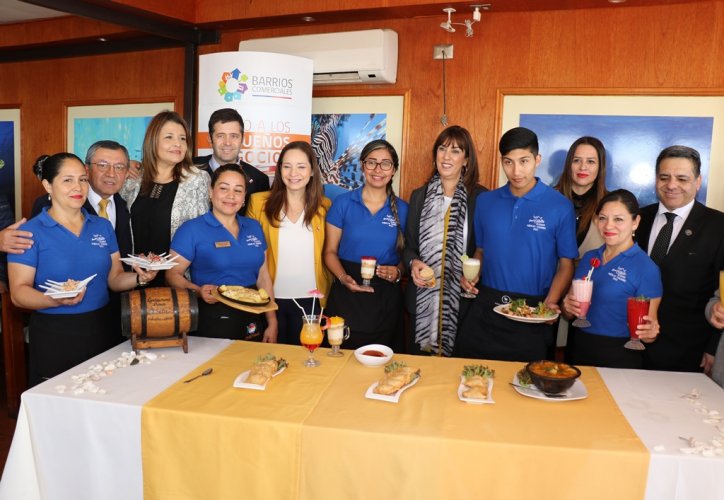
159,317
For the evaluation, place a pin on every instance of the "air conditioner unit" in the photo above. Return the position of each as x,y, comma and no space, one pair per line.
368,56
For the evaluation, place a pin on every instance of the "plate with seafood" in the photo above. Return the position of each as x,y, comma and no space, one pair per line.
151,262
519,310
525,387
476,385
264,369
65,289
397,379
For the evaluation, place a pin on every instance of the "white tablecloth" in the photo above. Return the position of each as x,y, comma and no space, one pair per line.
88,446
75,447
655,406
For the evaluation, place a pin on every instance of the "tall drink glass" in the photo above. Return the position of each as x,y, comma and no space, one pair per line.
367,269
582,291
471,269
312,335
337,333
636,309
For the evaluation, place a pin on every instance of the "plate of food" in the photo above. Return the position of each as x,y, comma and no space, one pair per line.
519,310
65,289
243,295
265,368
476,384
397,379
523,384
151,262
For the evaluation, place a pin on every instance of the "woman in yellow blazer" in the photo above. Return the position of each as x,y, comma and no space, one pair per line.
292,216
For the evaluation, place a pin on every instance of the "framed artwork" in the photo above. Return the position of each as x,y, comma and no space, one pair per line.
633,129
10,170
123,123
342,126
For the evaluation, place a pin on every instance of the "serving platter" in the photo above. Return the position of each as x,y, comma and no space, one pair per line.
243,302
163,265
240,381
576,392
55,289
523,319
462,388
390,398
257,309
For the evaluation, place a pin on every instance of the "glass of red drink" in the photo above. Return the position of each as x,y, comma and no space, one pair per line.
636,309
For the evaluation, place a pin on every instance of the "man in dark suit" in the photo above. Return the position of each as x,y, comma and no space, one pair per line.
688,246
107,163
226,131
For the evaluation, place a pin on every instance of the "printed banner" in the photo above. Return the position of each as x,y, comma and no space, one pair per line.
273,94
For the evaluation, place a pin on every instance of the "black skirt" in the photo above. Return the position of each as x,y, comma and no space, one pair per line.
601,350
58,342
219,321
373,318
485,334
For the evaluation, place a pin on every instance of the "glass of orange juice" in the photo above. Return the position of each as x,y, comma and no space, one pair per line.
312,335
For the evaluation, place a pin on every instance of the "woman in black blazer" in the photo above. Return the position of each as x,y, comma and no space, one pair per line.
439,231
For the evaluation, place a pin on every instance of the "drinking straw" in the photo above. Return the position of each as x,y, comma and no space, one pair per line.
309,321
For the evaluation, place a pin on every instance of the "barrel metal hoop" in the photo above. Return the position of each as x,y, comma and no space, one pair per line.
144,316
176,315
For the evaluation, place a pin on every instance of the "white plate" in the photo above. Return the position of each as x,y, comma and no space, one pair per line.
52,290
461,389
523,319
577,391
147,265
240,381
62,295
392,398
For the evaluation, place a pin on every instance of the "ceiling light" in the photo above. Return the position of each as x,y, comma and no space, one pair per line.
447,25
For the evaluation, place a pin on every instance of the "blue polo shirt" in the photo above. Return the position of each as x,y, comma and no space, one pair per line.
629,274
57,254
217,258
364,234
523,238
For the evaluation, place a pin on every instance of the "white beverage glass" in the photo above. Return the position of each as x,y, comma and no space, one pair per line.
471,269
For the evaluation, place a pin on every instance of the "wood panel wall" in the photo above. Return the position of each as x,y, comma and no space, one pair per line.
678,47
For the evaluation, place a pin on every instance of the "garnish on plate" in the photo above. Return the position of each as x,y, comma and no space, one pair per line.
476,379
264,369
397,375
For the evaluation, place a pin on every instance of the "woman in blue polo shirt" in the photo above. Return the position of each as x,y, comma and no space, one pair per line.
68,243
224,248
368,221
625,271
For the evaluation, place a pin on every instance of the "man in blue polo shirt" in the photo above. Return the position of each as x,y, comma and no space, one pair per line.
525,234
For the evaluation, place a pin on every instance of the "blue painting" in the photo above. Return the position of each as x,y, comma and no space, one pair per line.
337,140
632,144
7,161
128,131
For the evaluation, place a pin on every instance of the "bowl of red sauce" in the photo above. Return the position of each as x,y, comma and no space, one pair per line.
373,354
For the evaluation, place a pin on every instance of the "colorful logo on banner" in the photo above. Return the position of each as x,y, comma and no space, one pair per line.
232,85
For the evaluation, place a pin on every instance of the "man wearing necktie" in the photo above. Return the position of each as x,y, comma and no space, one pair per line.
686,240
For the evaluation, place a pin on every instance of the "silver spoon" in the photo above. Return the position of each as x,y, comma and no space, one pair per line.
203,374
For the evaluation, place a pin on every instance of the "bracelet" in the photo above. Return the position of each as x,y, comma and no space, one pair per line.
399,275
139,282
339,278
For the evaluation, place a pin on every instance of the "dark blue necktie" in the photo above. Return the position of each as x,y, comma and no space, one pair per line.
661,245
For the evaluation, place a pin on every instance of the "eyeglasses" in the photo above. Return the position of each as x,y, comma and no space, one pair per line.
103,166
385,165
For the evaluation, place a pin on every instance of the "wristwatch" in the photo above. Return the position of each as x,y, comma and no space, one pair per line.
139,282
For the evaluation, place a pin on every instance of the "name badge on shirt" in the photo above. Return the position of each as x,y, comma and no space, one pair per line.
222,244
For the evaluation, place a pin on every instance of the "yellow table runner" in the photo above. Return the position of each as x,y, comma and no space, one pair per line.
209,440
432,445
313,435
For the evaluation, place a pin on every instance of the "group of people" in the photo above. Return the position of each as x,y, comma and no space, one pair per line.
224,224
